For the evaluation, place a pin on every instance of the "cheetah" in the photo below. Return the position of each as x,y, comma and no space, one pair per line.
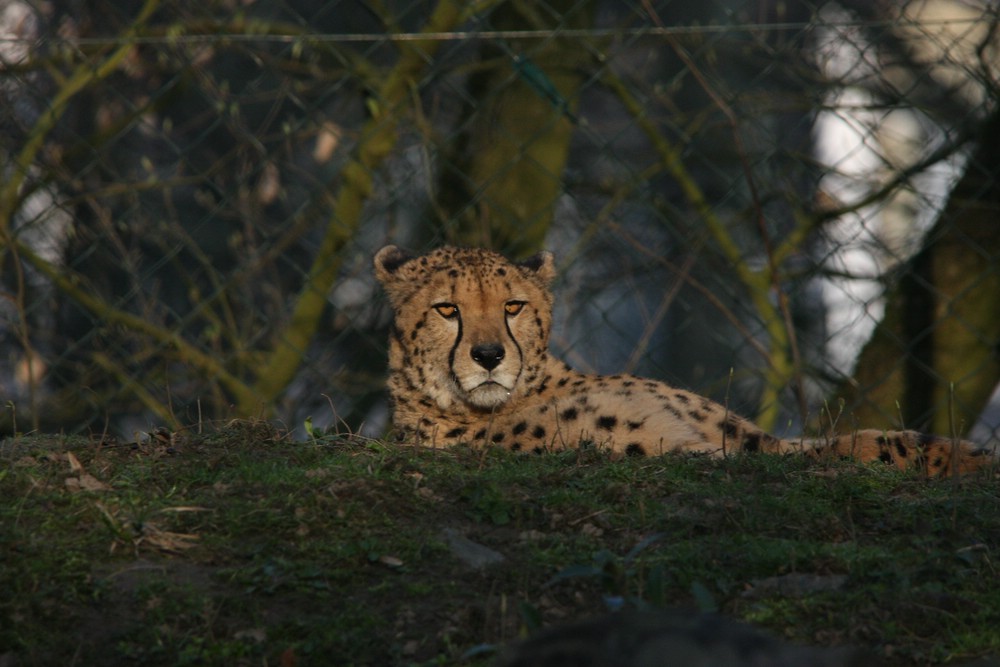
469,363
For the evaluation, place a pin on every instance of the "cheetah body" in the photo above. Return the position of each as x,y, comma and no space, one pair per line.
469,363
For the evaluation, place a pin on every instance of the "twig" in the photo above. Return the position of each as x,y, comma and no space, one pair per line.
85,75
741,152
378,138
758,286
164,412
70,285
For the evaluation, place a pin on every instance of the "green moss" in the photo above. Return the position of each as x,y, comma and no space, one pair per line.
229,549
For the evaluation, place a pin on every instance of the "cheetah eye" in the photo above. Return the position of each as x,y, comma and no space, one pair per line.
513,307
446,310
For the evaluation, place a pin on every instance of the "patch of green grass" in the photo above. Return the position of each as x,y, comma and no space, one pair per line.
240,547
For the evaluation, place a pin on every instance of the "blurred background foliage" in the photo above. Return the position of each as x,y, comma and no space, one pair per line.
791,206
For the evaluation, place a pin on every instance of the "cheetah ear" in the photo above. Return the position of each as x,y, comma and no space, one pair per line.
542,265
388,260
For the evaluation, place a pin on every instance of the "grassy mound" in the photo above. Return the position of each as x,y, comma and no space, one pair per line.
242,547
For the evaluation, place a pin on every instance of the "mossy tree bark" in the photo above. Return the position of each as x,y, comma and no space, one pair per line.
377,140
942,323
509,161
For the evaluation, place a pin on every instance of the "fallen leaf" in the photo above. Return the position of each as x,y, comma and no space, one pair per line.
256,635
531,535
85,482
74,463
90,483
390,561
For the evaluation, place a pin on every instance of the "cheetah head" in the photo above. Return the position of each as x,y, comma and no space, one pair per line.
470,326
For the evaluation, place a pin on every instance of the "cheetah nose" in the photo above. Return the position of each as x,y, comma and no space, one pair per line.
488,356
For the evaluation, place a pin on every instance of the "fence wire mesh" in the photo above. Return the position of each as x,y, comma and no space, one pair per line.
789,206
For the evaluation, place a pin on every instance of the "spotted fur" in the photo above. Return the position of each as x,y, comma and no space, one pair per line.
469,363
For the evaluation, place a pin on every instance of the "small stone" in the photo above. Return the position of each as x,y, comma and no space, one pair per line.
471,553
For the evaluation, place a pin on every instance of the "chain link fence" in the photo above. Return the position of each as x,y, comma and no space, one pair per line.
793,207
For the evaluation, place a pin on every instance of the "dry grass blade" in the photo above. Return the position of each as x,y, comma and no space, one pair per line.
165,540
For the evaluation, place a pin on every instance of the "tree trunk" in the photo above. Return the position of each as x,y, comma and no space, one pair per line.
509,162
942,323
